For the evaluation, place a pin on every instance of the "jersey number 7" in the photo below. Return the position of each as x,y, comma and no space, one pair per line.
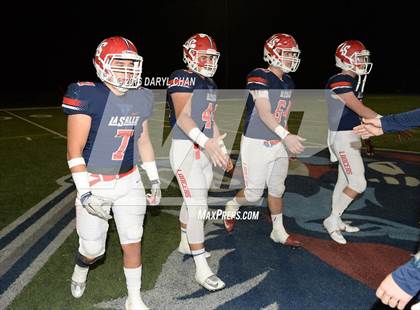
125,134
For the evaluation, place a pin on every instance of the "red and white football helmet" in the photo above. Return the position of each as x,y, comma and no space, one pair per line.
352,55
195,48
281,50
121,76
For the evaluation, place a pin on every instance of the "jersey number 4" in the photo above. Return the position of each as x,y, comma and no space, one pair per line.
207,115
125,134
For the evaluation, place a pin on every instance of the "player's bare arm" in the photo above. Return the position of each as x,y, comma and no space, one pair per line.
351,101
147,156
78,126
182,104
217,134
293,142
145,146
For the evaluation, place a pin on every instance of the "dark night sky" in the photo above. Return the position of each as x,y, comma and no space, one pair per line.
47,50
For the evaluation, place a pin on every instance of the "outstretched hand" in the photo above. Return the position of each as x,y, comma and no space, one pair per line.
370,127
215,151
294,143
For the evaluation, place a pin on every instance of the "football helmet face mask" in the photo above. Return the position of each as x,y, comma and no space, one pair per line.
117,62
201,55
282,51
353,56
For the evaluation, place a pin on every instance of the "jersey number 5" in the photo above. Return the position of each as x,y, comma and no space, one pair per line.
125,134
207,115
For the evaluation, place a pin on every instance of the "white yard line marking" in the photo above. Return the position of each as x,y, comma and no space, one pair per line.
27,137
63,185
36,124
7,297
36,230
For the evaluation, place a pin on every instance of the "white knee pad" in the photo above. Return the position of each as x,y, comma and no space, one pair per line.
357,183
89,248
253,195
131,233
195,226
276,191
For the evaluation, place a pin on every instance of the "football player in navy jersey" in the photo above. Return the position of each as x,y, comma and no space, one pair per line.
344,96
196,145
263,147
107,129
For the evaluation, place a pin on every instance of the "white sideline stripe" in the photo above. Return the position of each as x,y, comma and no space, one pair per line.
7,297
36,124
36,207
32,230
24,136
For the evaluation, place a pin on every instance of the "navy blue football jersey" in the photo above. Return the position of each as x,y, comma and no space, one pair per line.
115,126
203,103
340,117
280,93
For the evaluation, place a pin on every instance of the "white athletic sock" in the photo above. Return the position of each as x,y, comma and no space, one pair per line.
340,204
235,202
232,206
277,220
80,274
200,261
133,281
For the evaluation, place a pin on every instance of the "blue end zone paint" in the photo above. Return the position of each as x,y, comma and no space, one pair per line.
16,270
12,235
296,279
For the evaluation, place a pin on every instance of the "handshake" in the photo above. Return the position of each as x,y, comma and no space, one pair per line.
373,127
369,127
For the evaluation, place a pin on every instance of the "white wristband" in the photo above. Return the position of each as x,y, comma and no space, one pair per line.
281,132
198,137
151,170
81,180
78,161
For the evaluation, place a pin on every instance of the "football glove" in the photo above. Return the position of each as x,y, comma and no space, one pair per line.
97,205
155,195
